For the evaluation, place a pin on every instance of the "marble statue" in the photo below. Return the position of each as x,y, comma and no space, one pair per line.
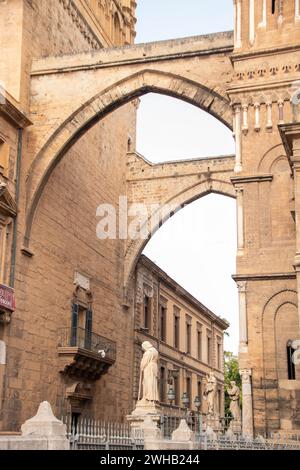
210,393
234,395
149,374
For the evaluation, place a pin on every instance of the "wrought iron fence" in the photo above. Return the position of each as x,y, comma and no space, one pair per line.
82,338
242,443
196,422
90,434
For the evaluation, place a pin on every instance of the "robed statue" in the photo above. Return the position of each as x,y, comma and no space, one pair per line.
148,387
234,395
210,393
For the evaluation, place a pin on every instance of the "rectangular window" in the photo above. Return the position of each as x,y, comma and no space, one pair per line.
219,404
147,313
4,158
199,342
3,241
219,355
199,389
177,390
162,384
163,323
208,349
189,388
81,327
176,328
188,335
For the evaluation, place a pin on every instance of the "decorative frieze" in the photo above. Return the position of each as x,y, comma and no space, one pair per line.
263,72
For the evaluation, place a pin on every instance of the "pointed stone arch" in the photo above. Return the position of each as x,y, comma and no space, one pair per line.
65,136
177,202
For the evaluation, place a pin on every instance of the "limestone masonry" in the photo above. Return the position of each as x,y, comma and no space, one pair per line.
70,79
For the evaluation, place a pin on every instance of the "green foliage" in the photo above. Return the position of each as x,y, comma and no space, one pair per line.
231,373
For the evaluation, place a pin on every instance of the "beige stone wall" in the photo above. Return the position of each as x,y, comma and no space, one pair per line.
93,172
64,241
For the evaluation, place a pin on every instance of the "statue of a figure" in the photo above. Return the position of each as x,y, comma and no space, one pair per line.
295,100
234,395
210,393
149,373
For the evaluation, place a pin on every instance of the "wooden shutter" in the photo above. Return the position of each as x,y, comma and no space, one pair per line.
74,325
88,328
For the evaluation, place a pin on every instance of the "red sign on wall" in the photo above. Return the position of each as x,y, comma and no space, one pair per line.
7,298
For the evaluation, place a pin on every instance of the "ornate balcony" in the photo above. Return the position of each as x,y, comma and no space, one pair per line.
7,303
84,354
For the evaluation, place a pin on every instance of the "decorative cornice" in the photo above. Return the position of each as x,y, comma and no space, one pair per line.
184,294
251,178
9,107
263,277
8,206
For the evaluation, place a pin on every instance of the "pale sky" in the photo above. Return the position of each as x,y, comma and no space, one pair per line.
197,246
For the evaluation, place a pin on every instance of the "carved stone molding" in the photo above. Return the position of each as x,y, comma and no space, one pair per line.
83,26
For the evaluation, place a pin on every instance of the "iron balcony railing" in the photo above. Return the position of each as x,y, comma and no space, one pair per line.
85,339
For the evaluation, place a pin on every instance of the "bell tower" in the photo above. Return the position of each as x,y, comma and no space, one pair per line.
266,63
264,23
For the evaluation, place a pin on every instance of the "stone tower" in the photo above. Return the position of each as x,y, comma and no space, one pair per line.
266,61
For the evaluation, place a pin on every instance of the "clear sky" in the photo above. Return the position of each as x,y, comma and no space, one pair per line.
197,246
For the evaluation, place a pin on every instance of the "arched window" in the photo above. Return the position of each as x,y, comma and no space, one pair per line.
117,31
290,363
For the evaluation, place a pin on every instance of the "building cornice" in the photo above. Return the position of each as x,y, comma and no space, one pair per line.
251,178
263,276
163,276
11,110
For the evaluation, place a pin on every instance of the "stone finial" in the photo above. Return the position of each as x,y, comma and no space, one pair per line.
183,433
44,423
151,429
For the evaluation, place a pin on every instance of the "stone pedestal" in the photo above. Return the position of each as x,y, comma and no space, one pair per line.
213,423
247,412
235,426
42,432
145,412
183,433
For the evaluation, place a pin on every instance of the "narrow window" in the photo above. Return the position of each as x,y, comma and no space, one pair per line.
188,335
81,327
219,356
176,328
189,388
4,158
88,329
208,350
199,343
290,362
162,384
74,325
177,390
163,323
273,7
147,312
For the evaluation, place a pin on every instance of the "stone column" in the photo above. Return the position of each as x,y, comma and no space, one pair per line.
297,10
238,138
263,22
243,331
251,21
237,24
247,411
269,125
240,221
